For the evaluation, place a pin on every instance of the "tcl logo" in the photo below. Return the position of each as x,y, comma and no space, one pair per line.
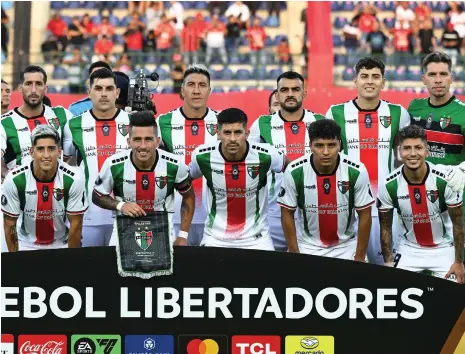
42,344
256,345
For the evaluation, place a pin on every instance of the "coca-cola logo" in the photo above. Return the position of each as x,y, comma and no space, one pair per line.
42,344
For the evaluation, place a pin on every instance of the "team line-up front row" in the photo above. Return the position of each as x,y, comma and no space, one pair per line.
245,186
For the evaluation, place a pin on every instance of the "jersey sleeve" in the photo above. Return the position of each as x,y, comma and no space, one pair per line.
182,181
384,202
287,196
2,139
77,200
104,183
68,147
404,118
254,136
452,199
10,198
194,168
277,160
363,195
157,120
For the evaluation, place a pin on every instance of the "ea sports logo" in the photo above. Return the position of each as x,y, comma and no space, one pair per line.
206,346
309,343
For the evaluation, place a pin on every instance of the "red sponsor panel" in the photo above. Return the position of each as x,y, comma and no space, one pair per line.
256,345
42,344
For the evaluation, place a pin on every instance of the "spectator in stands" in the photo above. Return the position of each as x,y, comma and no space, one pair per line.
59,29
134,39
165,34
239,11
137,6
6,97
401,43
201,26
457,18
451,43
283,51
351,34
422,12
89,27
76,33
5,34
153,14
216,7
50,49
233,32
366,22
85,104
124,64
404,15
150,42
105,28
176,16
377,41
103,50
215,39
190,41
426,41
177,73
76,63
256,36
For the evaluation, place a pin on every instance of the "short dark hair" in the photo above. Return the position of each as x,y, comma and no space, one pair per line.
231,116
196,69
143,119
103,73
324,129
369,63
412,132
4,82
436,57
46,101
98,64
270,98
32,69
290,75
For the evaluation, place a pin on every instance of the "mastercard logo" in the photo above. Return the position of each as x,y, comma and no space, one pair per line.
206,346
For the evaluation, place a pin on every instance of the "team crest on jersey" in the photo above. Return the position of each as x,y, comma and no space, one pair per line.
4,200
343,186
195,129
326,186
45,193
106,130
295,128
212,128
161,181
235,172
429,121
54,122
58,193
417,195
123,129
432,195
385,121
444,122
253,171
36,123
368,121
143,239
145,182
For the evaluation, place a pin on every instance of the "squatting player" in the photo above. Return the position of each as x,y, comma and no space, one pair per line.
431,232
327,187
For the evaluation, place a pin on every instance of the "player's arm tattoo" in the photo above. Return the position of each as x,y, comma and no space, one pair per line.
187,209
385,220
11,234
456,216
104,201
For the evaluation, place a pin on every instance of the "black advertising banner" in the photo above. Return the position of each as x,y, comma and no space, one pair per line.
217,299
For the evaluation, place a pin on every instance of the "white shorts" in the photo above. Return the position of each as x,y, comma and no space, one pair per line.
434,261
374,253
195,233
95,236
344,251
263,243
277,233
27,246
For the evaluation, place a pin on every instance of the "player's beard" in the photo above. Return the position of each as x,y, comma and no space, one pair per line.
33,105
292,109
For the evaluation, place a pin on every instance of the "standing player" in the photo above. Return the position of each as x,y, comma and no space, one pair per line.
273,103
286,130
328,188
144,178
79,107
368,129
96,135
6,97
43,194
17,124
185,128
432,234
236,174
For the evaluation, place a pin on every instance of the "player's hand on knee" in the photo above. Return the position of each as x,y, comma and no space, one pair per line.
458,270
133,210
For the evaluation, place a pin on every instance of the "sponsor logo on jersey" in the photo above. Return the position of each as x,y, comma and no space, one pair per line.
4,200
36,123
8,343
195,129
417,195
326,186
343,186
256,345
253,171
58,193
218,172
88,130
177,127
32,344
295,128
106,129
312,186
123,129
25,129
432,195
444,122
161,181
282,192
45,193
351,121
212,128
235,172
368,121
34,192
143,239
277,127
385,121
309,344
207,344
429,121
129,181
403,197
149,344
145,182
54,122
95,344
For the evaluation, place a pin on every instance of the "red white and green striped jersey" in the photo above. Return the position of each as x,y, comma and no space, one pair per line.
368,136
289,138
42,206
237,191
15,131
152,190
326,202
95,140
181,136
445,129
421,207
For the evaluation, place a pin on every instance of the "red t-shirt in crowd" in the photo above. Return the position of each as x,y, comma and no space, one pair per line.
165,33
190,36
103,46
57,27
366,23
135,41
401,39
422,13
256,37
102,29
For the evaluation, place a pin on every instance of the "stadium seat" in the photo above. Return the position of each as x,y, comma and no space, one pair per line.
122,5
52,89
163,74
440,6
340,22
89,4
348,74
167,89
188,5
150,59
340,59
268,41
337,40
412,5
272,21
67,19
335,6
348,6
459,91
223,19
459,75
389,22
388,74
260,73
65,90
244,58
200,5
243,41
225,74
207,19
414,75
59,73
114,20
274,73
399,75
73,5
56,5
234,60
218,90
118,39
96,19
390,6
234,89
278,38
124,21
242,74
